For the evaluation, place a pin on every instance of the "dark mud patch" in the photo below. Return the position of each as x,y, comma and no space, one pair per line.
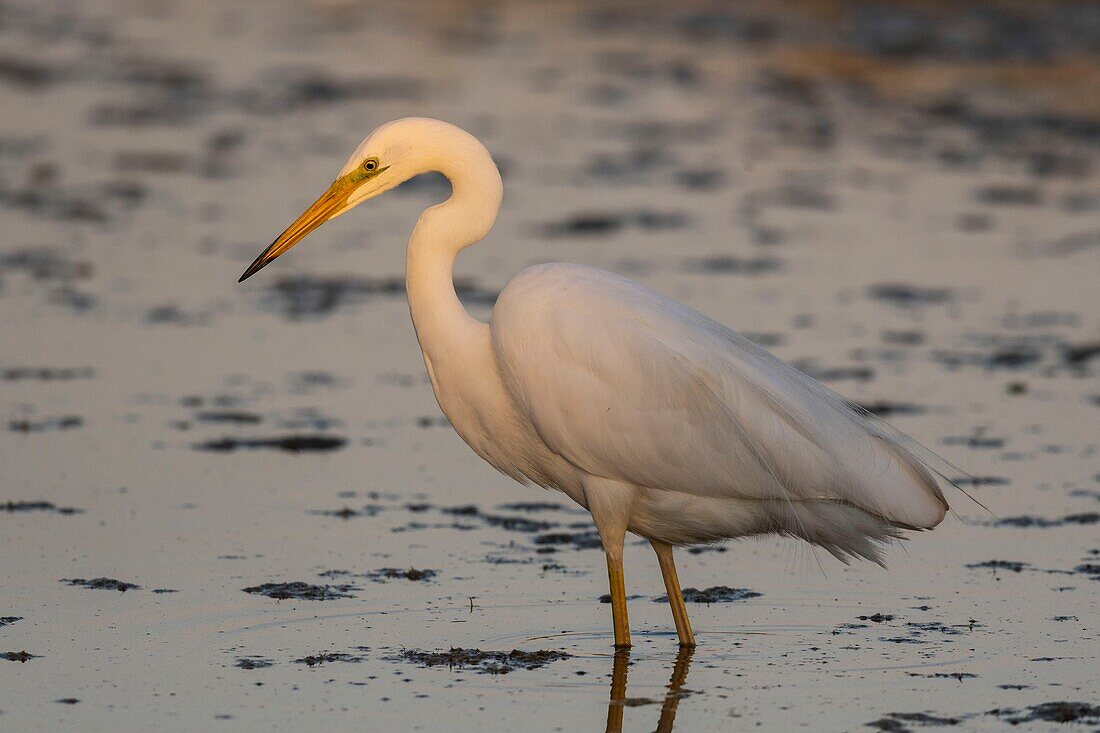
1090,569
701,179
725,265
980,480
1010,566
151,161
1078,356
886,409
37,506
45,374
218,400
1009,195
634,702
701,549
414,574
306,382
805,193
714,594
9,620
901,722
1028,521
630,164
26,73
47,424
917,632
102,584
589,540
977,440
287,443
383,574
18,656
1044,354
313,660
233,417
606,598
939,628
974,221
300,591
368,510
902,640
483,662
593,224
253,663
306,296
904,337
1052,712
68,700
505,522
909,296
516,524
45,265
289,89
465,510
1069,244
532,506
170,313
308,419
877,618
93,204
418,526
834,374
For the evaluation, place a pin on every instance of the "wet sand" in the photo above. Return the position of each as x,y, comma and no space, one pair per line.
234,506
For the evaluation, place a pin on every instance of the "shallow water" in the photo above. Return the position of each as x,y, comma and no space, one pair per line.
921,231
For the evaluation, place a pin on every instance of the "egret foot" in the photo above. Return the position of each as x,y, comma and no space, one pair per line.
675,597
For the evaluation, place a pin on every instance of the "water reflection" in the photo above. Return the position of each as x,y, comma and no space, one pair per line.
619,700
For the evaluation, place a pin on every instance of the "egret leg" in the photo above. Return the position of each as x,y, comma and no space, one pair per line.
675,597
618,599
611,503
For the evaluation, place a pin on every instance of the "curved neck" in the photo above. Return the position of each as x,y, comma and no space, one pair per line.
441,322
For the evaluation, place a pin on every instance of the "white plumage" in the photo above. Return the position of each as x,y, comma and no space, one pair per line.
720,438
657,419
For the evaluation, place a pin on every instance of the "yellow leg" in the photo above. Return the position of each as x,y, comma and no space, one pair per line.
675,597
618,600
611,503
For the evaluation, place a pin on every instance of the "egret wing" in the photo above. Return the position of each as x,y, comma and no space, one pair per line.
628,384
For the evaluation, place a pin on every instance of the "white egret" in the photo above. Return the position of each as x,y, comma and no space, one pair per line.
655,418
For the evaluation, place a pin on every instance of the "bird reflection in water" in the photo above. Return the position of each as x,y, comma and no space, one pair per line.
619,700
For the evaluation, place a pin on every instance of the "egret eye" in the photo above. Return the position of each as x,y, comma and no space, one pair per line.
370,164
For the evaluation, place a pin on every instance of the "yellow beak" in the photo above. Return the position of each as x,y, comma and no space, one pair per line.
329,205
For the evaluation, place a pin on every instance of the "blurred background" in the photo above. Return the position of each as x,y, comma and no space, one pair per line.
901,198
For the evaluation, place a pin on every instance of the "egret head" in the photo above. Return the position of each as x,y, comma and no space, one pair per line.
392,154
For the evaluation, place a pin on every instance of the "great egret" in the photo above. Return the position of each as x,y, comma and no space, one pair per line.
655,418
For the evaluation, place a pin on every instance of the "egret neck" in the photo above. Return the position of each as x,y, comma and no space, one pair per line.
441,322
456,346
